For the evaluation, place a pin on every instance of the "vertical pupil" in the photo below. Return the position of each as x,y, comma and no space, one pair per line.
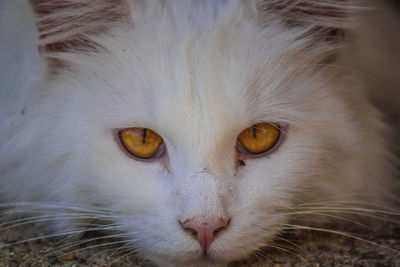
144,135
254,128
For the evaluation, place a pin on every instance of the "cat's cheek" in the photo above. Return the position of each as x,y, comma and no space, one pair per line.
160,237
132,191
115,180
268,185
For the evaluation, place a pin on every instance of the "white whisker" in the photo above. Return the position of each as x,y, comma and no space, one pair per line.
80,242
56,235
95,246
345,234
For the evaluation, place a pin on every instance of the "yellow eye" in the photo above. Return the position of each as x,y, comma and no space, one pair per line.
140,142
259,138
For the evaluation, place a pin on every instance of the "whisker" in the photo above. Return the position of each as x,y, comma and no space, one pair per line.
101,251
345,234
345,203
293,244
285,250
324,213
356,209
119,249
127,254
39,219
62,241
55,235
258,254
55,205
80,242
95,246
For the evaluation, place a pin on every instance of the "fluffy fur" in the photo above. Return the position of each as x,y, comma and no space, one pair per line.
198,73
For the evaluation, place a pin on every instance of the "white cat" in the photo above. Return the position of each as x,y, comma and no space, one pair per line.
198,129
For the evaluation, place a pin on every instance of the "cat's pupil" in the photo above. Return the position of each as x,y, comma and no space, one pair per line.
144,135
254,128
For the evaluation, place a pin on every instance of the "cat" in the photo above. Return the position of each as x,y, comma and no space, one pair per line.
197,129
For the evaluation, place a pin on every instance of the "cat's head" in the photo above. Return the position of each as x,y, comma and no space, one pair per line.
242,121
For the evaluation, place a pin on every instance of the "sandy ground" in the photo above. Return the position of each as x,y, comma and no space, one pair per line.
305,249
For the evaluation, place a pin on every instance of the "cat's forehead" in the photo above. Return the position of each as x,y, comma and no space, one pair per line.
208,70
196,81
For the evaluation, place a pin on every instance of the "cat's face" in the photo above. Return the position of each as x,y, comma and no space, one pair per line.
197,88
197,83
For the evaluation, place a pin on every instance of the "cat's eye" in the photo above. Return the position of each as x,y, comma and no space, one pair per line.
142,143
259,138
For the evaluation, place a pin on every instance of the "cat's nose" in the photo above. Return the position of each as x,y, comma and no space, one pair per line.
205,233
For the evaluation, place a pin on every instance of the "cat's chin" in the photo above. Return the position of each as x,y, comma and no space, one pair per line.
196,260
199,262
214,257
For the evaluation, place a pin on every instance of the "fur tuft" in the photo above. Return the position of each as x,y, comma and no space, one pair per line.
66,24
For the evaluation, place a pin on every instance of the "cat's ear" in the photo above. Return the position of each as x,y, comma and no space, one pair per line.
66,24
325,20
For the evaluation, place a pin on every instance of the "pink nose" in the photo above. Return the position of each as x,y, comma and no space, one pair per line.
205,233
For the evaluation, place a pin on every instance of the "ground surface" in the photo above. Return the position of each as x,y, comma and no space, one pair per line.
307,249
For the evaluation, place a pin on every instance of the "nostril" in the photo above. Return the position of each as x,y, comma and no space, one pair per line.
224,224
192,232
219,230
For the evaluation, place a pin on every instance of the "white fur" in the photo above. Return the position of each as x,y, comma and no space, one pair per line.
197,73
